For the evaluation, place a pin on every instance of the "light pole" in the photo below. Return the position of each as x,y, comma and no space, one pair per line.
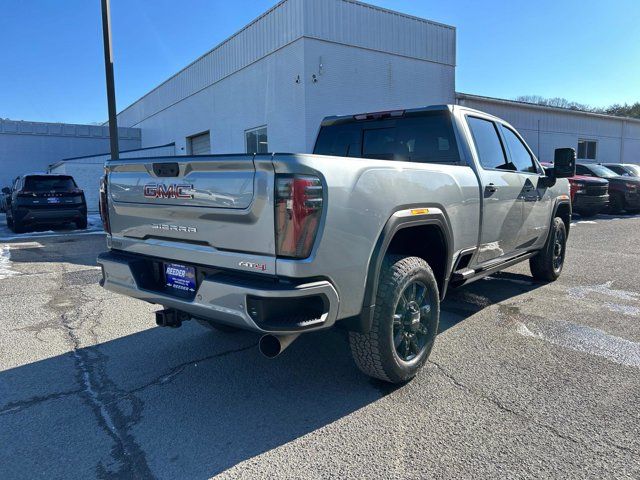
108,68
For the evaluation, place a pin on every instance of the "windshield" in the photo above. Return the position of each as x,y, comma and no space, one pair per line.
601,171
426,137
634,170
48,184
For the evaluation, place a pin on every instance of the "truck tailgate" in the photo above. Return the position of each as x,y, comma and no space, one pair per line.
204,209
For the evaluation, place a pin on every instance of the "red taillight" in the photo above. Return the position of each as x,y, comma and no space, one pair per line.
104,207
298,211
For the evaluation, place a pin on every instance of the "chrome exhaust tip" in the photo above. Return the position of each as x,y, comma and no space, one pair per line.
273,345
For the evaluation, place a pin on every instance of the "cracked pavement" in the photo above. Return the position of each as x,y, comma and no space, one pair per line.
525,381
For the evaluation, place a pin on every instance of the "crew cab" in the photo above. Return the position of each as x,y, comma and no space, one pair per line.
624,191
368,233
589,195
44,199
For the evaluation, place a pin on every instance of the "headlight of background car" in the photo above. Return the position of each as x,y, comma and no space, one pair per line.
580,188
631,186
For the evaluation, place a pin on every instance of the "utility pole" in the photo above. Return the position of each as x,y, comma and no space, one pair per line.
108,68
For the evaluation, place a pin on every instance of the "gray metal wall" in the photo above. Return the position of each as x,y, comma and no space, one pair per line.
32,146
545,129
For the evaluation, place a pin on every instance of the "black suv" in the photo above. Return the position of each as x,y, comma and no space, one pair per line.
37,200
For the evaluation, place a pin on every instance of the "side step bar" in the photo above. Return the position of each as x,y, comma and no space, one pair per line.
468,275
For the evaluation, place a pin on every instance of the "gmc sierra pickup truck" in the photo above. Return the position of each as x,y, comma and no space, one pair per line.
368,232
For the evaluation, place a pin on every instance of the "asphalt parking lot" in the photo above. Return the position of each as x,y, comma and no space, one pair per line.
526,380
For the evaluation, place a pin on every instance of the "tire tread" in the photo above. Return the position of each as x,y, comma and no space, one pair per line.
365,347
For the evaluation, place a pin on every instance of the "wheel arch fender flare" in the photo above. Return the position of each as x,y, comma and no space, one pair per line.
560,203
404,217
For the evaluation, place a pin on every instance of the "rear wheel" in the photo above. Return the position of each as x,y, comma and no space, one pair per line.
405,321
547,264
16,226
81,224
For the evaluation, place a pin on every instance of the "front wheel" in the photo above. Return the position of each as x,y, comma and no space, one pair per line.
616,203
405,321
588,213
547,265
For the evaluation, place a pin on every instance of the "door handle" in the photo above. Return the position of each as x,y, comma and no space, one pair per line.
491,188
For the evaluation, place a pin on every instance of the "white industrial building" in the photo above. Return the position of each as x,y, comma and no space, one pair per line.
596,138
31,146
285,71
267,88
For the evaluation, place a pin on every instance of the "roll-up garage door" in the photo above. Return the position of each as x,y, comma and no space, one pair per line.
200,144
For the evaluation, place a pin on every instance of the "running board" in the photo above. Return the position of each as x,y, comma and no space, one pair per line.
466,276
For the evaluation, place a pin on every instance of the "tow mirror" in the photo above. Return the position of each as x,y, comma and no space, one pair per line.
6,190
564,163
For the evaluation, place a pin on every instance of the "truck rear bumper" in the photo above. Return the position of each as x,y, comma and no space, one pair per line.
271,306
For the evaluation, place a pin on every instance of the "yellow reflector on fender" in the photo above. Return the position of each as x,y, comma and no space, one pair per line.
419,211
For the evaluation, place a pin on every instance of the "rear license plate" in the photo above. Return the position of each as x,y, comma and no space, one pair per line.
180,277
53,200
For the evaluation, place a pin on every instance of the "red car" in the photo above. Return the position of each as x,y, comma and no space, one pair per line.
589,195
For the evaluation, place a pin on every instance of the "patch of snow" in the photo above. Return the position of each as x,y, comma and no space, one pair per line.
5,263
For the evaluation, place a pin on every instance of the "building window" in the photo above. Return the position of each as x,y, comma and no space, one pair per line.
256,140
587,149
199,144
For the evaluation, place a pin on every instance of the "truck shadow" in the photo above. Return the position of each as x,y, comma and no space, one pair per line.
465,301
189,403
75,249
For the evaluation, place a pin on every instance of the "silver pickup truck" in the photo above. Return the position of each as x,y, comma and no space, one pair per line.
367,233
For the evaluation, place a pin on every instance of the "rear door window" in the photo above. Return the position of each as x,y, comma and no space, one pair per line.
427,137
48,184
520,156
488,144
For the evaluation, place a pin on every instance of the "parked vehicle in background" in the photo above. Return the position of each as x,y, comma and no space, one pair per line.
624,192
44,199
589,195
369,232
624,169
4,195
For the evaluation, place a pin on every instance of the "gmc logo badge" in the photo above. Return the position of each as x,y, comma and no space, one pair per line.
174,190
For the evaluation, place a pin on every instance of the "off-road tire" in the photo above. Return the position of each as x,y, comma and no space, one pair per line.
542,265
219,327
374,352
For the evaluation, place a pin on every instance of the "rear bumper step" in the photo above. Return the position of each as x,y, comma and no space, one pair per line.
267,307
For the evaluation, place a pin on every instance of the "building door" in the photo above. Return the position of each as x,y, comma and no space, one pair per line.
200,144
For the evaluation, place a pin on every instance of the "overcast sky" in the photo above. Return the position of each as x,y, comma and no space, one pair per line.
51,60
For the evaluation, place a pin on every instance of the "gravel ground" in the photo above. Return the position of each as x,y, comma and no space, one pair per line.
526,380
